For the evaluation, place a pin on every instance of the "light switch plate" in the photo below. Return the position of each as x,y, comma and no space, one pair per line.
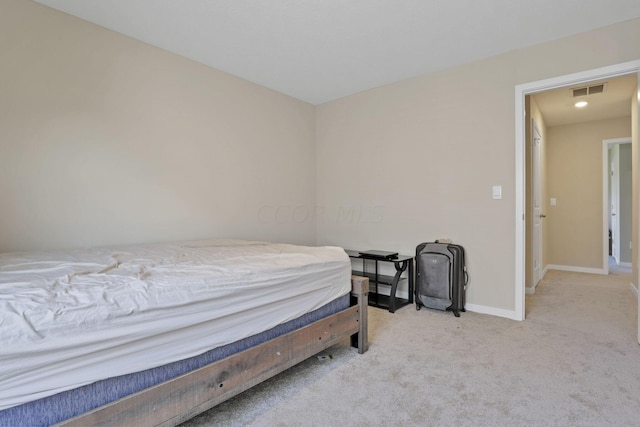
553,201
496,192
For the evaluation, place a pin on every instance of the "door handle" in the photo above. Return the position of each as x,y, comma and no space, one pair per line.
543,216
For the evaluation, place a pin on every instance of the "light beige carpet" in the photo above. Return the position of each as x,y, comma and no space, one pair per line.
575,361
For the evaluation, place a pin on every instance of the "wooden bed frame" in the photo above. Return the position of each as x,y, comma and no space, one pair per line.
177,400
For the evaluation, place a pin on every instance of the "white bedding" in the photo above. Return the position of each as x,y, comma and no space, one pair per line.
69,318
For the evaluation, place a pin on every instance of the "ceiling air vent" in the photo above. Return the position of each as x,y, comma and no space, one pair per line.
581,91
589,90
596,89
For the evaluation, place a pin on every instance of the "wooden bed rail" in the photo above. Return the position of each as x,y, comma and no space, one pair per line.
177,400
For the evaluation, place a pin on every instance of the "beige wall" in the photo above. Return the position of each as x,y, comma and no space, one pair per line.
424,153
104,139
574,179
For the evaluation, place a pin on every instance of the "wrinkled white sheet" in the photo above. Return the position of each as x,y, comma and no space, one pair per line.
69,318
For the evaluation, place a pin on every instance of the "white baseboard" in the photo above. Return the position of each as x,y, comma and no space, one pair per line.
576,269
634,289
483,309
625,264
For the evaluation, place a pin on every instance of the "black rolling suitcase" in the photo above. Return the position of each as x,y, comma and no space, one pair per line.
441,277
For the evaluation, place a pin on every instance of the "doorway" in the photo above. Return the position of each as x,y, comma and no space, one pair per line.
611,199
616,202
520,92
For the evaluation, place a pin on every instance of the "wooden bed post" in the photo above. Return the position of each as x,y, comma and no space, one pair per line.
360,292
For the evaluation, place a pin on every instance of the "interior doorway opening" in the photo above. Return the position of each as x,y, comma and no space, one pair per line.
617,204
521,91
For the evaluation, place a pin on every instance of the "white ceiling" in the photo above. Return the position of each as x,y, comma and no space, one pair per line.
320,50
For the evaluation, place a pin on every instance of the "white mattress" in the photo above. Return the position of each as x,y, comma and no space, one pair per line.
69,318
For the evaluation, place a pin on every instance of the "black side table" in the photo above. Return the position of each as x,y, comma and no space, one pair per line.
401,264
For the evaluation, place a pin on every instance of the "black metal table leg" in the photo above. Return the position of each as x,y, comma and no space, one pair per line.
400,268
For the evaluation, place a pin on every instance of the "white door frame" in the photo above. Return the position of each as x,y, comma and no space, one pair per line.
520,92
606,145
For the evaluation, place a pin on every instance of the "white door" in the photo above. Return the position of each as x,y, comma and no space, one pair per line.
537,215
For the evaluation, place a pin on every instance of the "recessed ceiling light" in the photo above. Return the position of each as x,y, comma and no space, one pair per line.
581,104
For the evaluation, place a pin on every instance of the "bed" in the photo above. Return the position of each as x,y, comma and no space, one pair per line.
155,334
